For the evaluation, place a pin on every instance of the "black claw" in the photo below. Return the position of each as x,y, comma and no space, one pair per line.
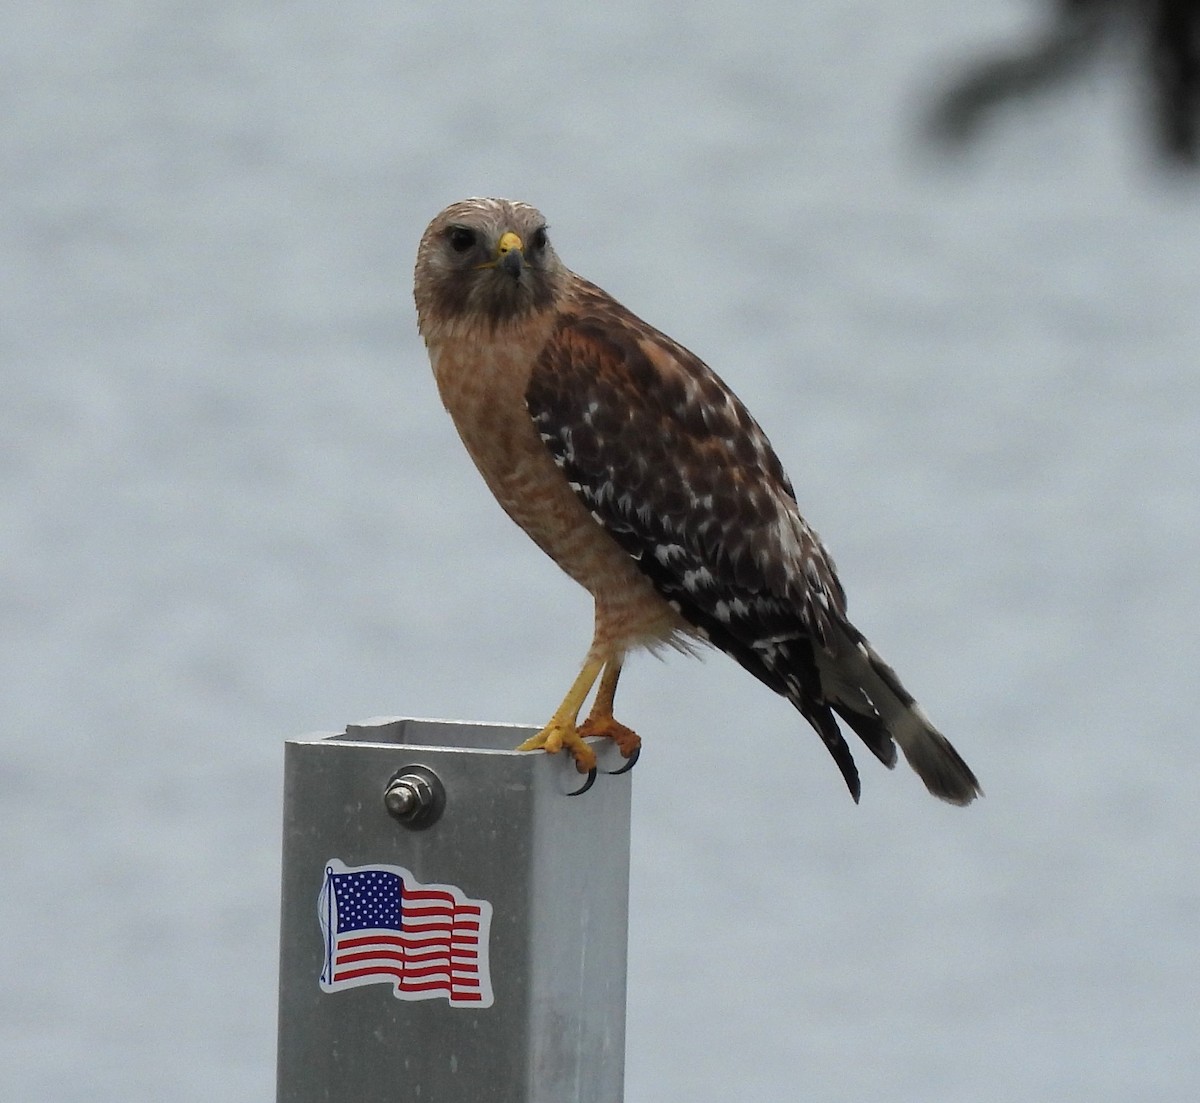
630,763
591,780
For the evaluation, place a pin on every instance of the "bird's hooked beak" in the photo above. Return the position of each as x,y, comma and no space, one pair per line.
509,256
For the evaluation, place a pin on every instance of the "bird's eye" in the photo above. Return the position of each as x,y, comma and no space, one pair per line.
538,239
461,239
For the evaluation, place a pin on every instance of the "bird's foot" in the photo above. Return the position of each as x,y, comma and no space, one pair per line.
628,742
557,736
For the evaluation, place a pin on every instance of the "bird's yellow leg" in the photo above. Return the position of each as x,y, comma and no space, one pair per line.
561,731
600,720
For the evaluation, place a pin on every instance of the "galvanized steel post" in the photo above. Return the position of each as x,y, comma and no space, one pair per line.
454,919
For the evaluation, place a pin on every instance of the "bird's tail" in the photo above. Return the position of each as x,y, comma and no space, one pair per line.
866,693
843,677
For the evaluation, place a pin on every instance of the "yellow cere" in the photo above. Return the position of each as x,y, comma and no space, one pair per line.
508,242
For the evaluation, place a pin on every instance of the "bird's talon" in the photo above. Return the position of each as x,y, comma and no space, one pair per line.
591,780
631,762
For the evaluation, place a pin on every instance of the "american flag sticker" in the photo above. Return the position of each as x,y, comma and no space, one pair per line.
382,926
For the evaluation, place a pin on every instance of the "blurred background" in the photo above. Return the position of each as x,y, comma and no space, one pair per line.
232,511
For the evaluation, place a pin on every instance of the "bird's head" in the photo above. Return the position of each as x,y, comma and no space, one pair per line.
485,261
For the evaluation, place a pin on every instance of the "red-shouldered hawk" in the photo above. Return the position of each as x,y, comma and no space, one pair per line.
634,467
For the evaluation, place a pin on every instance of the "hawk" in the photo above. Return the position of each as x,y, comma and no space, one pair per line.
638,471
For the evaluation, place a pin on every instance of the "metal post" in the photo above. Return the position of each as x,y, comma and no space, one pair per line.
454,919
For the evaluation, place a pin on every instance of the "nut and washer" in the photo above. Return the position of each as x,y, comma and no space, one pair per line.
415,796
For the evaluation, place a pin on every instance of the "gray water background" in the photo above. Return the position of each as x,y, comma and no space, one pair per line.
233,511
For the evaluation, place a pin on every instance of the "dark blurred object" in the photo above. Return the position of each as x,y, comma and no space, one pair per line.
1166,34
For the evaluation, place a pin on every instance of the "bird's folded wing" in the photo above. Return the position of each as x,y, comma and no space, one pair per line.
674,468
